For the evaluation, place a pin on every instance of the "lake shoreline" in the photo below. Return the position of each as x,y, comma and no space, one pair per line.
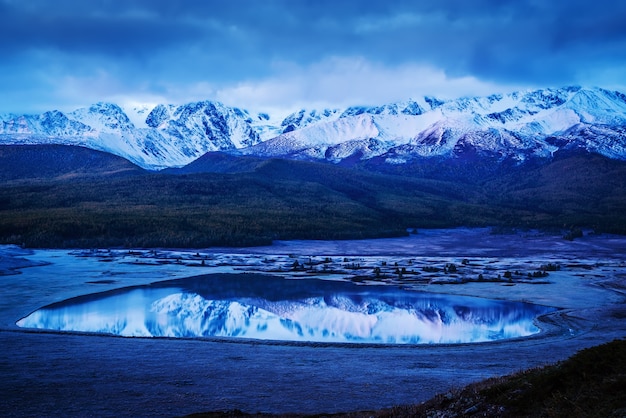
75,375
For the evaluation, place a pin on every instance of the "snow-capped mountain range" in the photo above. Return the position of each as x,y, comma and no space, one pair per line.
516,125
151,137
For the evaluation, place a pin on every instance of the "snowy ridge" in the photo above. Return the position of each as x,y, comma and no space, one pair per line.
517,125
152,137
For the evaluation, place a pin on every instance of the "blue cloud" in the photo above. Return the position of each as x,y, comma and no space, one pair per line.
158,43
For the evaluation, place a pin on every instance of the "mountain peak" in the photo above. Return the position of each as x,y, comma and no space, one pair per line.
159,115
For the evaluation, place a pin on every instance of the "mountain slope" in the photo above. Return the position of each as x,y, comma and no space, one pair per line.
46,162
219,162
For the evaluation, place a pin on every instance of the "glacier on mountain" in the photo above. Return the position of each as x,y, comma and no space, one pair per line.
517,125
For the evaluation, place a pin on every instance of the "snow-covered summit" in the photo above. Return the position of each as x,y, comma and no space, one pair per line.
151,136
517,125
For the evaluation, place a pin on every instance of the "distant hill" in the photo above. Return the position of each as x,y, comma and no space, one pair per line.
60,162
219,162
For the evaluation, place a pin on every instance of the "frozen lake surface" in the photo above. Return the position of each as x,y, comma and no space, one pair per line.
78,374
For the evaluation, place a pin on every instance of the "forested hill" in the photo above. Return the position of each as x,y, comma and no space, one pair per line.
72,198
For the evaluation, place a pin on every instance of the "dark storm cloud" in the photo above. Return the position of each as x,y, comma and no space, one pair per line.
158,43
76,30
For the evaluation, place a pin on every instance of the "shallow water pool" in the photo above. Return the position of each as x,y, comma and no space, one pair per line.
263,307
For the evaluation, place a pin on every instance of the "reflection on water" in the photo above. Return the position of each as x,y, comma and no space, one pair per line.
271,308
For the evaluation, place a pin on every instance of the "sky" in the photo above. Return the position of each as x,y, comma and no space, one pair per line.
273,55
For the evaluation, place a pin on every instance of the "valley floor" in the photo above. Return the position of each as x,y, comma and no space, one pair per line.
74,374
